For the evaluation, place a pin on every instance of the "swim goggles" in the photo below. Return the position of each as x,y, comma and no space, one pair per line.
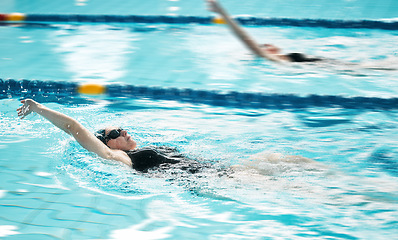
113,134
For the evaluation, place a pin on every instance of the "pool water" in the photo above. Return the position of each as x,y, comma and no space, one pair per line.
56,189
146,54
343,187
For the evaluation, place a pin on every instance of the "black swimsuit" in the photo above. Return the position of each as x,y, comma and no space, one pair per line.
163,158
164,162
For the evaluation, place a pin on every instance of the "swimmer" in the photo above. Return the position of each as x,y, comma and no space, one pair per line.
200,177
114,143
267,51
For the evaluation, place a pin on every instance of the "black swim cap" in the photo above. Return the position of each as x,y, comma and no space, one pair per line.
299,57
100,134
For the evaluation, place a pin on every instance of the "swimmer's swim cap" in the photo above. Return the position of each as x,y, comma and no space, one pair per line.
100,134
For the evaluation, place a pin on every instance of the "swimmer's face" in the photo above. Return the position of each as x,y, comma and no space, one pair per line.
123,142
270,49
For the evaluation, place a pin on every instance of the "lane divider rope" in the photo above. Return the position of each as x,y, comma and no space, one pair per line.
247,20
32,88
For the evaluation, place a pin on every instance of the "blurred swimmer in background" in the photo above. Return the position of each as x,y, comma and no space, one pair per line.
267,51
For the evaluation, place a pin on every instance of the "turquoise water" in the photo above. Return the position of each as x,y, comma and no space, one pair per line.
51,188
137,54
56,190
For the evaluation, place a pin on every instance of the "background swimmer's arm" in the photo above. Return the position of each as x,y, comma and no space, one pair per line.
214,6
85,138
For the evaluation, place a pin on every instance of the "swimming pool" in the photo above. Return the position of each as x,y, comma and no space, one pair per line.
53,189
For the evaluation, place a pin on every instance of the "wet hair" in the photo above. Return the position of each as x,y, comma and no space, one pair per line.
299,57
100,134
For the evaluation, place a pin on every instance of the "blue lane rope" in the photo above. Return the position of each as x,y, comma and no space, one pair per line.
256,21
32,88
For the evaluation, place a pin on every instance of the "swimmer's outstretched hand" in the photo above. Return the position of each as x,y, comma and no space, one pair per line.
26,108
213,6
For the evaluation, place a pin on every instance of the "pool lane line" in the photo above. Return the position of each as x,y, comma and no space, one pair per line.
31,88
247,20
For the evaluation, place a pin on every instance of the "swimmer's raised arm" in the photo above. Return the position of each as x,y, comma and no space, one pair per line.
69,125
216,7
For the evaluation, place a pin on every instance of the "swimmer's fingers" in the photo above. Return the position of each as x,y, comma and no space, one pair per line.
213,6
24,110
20,108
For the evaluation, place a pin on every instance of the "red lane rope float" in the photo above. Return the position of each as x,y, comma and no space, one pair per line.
3,17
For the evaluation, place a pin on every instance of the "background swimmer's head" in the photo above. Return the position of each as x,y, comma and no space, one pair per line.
116,138
299,57
271,49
